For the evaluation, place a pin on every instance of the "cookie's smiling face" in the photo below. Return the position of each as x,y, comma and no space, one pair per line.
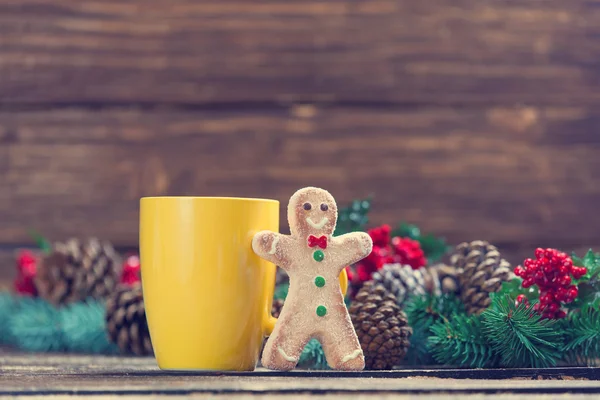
312,211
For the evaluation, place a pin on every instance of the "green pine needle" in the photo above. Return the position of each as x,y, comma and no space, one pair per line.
423,312
8,303
41,241
459,342
520,336
35,326
418,353
354,217
313,356
84,329
281,291
582,337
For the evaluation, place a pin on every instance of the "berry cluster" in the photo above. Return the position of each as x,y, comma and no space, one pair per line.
388,250
551,271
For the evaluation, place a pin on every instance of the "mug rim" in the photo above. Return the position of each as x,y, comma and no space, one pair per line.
252,199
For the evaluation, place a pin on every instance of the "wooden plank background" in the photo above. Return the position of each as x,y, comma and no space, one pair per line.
475,119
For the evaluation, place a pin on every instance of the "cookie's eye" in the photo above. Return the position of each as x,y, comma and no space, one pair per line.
307,206
324,207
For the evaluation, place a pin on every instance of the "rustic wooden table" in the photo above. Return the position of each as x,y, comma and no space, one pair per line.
69,376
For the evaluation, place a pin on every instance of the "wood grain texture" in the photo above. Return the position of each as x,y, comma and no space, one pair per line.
59,375
519,177
340,51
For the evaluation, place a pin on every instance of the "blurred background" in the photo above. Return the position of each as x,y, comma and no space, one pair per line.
472,119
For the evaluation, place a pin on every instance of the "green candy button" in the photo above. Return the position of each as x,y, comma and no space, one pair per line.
320,281
321,311
318,256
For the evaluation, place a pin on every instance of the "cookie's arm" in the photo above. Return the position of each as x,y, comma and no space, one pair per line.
354,247
273,247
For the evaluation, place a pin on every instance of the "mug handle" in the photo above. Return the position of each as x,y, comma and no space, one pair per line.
271,320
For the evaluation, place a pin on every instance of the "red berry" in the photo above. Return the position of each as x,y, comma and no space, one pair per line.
560,314
522,299
539,253
548,268
572,292
563,270
519,271
561,294
549,253
553,307
546,298
564,280
408,251
578,272
539,276
568,263
528,282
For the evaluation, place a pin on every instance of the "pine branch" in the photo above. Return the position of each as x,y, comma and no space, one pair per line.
520,336
460,342
418,352
281,291
582,337
8,303
423,312
84,328
313,356
35,326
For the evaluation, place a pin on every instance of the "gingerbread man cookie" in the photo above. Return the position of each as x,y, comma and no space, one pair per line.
313,259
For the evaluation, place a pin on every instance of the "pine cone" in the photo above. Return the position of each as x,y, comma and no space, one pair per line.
276,308
446,277
76,270
381,326
403,282
126,321
481,271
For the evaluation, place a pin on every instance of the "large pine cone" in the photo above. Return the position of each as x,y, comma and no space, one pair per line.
481,271
381,326
126,321
403,282
446,277
76,270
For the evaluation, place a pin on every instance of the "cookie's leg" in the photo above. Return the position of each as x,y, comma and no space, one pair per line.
341,346
283,348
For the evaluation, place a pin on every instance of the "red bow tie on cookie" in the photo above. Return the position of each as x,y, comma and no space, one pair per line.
315,241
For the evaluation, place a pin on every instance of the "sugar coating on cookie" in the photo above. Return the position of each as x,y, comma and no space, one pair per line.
313,259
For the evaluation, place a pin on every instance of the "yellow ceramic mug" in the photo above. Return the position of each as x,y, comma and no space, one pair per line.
207,295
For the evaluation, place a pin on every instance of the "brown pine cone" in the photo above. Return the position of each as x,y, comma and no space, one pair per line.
76,270
381,326
276,308
126,320
481,271
446,276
